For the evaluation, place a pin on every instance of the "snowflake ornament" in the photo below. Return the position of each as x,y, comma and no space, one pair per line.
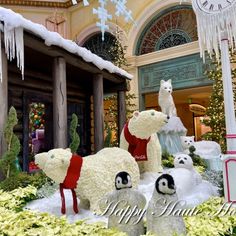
104,16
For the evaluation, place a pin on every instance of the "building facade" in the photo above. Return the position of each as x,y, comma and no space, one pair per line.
161,45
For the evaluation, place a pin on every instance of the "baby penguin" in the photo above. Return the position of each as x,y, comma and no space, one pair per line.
159,219
124,206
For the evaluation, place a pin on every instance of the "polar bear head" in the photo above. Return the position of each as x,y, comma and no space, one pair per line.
183,161
187,141
144,124
54,163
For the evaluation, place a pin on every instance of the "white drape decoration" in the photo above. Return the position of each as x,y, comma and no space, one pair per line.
211,26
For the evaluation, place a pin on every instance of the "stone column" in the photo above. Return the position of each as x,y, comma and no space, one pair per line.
98,112
59,103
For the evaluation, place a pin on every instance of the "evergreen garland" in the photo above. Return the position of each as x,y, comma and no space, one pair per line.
8,162
75,139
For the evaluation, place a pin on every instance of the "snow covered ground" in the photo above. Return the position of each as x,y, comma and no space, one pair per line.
52,204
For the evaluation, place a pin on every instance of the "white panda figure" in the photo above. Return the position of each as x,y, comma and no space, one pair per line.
163,194
125,198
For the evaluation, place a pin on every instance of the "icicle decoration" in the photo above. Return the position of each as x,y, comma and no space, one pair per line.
85,2
211,27
14,46
19,42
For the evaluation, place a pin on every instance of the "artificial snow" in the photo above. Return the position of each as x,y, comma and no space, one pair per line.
146,186
15,24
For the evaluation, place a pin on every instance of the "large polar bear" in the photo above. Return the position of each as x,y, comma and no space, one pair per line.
139,137
97,173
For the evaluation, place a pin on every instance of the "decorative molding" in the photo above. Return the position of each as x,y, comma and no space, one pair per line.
185,72
56,4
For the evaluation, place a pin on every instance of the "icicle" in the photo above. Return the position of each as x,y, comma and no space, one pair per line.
14,46
210,27
0,55
86,3
19,40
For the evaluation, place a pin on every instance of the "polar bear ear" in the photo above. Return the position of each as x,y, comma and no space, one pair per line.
136,114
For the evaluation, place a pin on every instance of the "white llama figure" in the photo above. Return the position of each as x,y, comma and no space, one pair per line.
165,98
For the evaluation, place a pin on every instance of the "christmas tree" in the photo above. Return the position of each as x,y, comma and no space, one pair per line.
74,136
118,51
215,114
8,162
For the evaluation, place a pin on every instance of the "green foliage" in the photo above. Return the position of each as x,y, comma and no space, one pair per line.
16,221
108,138
8,161
205,223
215,114
16,199
167,160
197,160
111,127
23,180
75,139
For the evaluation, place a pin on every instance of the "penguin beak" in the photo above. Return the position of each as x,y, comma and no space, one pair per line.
125,181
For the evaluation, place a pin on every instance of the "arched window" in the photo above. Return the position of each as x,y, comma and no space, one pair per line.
172,27
101,48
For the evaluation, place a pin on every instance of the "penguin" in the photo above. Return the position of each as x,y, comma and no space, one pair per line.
165,184
124,198
164,195
123,180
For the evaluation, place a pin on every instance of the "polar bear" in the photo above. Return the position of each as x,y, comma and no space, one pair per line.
97,172
165,98
140,139
205,149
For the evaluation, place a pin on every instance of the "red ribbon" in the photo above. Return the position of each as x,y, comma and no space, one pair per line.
70,182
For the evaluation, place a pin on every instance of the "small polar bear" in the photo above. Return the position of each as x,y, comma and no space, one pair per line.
205,149
95,175
139,137
165,98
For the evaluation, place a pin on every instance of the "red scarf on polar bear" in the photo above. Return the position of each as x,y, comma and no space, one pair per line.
70,181
137,147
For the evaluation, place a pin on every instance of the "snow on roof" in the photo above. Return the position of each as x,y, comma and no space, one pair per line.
13,22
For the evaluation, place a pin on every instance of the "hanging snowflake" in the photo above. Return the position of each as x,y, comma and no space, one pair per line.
104,16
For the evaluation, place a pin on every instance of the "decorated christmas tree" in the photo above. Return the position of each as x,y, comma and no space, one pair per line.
215,114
